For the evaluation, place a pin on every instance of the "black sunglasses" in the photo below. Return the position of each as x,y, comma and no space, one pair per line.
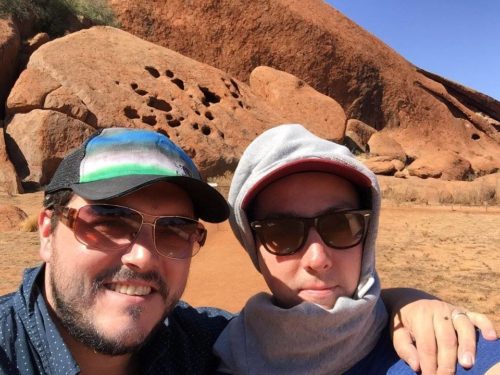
110,227
339,230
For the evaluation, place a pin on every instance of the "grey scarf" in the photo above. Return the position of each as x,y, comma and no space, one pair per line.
305,339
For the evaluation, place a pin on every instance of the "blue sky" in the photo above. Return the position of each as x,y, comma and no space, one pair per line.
456,39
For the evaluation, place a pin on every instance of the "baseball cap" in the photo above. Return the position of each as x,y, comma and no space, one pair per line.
117,161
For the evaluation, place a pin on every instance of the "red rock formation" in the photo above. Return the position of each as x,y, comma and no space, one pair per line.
299,103
318,44
11,217
10,44
105,77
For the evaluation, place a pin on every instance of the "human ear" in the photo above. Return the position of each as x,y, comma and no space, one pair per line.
45,233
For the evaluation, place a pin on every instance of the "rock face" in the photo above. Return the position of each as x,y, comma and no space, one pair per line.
10,45
441,164
9,181
299,103
313,41
37,153
104,77
11,218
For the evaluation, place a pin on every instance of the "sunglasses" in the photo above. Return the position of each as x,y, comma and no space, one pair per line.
109,227
286,236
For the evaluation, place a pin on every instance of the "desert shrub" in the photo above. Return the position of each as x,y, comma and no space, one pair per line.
53,16
30,224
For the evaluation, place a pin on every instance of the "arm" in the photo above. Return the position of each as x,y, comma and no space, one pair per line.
430,334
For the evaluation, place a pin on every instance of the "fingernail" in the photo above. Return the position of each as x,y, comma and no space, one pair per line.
467,360
491,333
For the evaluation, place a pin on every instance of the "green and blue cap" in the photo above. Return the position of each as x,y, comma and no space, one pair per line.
117,161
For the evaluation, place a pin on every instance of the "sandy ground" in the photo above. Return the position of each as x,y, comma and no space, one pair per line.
452,253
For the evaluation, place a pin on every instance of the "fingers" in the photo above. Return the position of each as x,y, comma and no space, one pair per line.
466,338
485,325
426,345
405,347
446,339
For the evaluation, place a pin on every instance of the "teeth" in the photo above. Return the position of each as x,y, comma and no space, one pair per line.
130,289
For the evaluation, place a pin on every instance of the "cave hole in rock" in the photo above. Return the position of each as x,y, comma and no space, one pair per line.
179,83
130,112
210,96
475,137
209,115
134,85
174,123
221,134
169,73
141,92
235,85
205,129
197,112
159,104
181,118
240,103
150,120
117,82
155,73
235,94
195,126
169,117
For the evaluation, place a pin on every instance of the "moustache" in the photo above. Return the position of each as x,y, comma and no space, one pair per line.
126,274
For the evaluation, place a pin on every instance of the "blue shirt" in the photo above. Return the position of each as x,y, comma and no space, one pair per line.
31,344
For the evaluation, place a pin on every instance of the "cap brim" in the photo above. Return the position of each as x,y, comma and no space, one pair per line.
208,203
334,167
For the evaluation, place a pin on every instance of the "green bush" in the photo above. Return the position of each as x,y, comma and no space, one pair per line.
52,16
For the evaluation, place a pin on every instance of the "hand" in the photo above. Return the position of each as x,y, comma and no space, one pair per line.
430,334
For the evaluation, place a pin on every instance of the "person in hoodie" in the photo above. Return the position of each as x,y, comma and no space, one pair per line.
307,213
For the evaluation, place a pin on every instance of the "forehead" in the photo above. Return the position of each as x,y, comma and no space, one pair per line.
306,193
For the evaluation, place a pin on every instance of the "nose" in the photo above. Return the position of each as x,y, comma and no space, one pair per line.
141,255
317,255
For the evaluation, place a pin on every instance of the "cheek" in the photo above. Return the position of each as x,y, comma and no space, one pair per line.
349,264
175,273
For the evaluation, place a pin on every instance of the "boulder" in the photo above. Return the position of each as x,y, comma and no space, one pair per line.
381,144
10,44
37,153
9,181
441,164
357,135
104,77
383,167
11,218
299,103
30,91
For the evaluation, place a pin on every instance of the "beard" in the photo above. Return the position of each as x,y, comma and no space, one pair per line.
72,310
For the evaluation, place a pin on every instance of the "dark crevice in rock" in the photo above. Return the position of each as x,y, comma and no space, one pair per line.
155,73
130,112
150,120
179,83
159,104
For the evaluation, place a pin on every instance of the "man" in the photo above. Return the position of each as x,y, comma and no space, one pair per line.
118,229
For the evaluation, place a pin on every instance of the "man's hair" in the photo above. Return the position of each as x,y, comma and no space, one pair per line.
55,200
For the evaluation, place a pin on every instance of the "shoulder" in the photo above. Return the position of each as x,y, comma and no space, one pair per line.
205,320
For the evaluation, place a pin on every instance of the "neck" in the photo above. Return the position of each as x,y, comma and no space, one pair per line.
92,363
